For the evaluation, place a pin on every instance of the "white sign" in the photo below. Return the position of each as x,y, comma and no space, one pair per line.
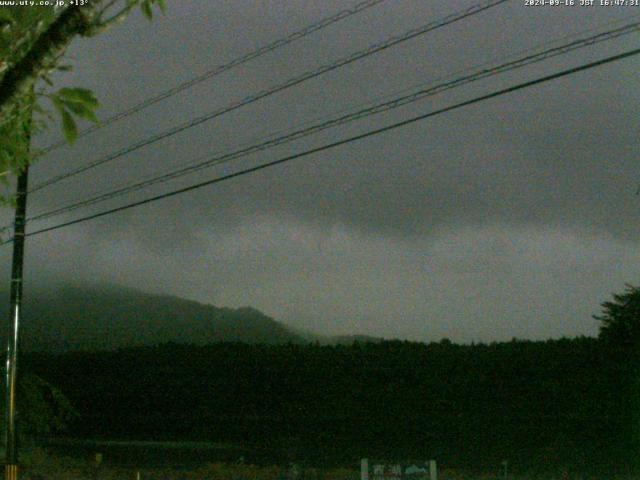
387,472
398,471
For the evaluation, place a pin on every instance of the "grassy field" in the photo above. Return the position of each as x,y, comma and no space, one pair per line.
131,460
61,470
42,466
147,454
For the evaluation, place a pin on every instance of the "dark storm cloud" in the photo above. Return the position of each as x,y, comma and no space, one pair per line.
513,217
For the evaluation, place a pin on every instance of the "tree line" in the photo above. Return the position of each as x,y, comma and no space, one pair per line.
565,403
535,403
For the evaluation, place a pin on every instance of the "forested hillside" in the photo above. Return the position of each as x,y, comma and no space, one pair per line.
105,317
540,405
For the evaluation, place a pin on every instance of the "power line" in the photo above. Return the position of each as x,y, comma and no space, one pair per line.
479,74
378,47
360,7
345,141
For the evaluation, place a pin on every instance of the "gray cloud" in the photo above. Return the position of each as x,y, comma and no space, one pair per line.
514,217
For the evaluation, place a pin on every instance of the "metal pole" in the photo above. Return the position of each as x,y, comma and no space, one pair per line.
11,465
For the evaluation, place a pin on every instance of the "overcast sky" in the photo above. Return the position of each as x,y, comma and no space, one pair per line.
514,217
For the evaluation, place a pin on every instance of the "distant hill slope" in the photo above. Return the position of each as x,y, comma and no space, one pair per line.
350,339
310,337
109,317
317,338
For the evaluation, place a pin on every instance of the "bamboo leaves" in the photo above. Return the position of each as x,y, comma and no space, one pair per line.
78,102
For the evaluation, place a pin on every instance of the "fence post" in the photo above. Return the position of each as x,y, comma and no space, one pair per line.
364,469
433,470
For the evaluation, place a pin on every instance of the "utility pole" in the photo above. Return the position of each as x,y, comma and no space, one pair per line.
11,463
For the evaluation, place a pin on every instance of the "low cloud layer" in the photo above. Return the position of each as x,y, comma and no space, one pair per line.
513,217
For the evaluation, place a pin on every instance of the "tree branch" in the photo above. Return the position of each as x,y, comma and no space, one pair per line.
104,9
44,54
116,18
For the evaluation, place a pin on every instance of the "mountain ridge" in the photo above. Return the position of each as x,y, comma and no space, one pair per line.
65,317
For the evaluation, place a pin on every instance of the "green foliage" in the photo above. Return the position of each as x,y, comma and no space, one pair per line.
539,404
620,320
20,28
42,408
14,142
74,101
147,7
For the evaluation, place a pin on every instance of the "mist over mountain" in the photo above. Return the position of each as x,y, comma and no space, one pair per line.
320,339
105,317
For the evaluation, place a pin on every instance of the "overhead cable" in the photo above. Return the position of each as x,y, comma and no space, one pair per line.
373,49
345,141
281,42
415,96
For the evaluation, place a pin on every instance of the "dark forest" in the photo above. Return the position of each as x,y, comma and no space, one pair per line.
539,404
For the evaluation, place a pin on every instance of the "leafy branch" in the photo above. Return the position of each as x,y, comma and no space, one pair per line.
32,42
74,101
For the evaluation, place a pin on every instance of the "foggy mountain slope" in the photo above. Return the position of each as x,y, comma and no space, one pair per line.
107,317
309,336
